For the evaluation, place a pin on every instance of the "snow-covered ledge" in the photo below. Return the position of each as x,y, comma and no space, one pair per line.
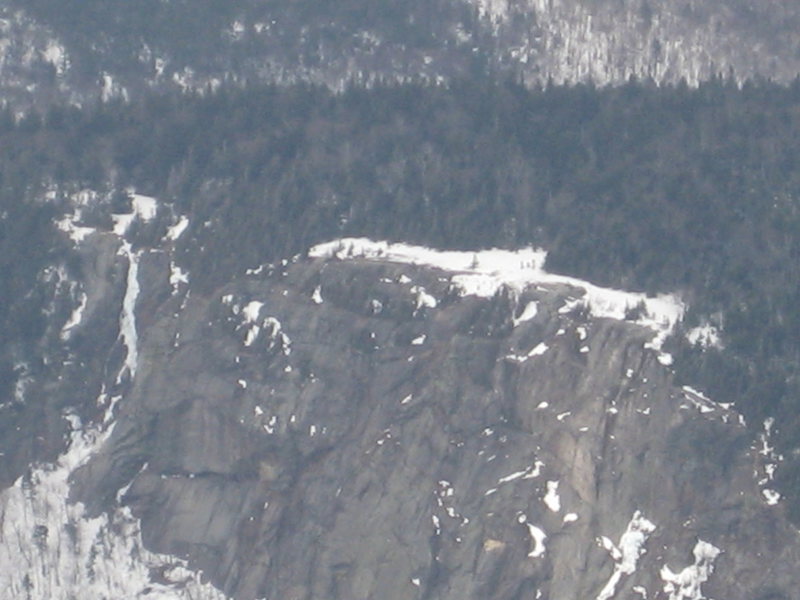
482,273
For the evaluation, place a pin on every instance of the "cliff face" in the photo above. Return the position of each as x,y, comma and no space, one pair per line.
372,421
83,51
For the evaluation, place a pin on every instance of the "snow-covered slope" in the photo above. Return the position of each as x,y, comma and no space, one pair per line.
50,549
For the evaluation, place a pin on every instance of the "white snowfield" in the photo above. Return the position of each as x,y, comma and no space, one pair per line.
483,273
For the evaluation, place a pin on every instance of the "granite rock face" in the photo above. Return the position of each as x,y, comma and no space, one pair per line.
351,425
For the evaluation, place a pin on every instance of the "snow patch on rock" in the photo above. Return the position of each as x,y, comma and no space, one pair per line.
539,349
254,325
485,272
77,233
699,400
143,208
771,460
529,312
529,473
423,298
177,276
75,318
705,336
687,584
537,536
176,231
551,498
626,555
251,311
